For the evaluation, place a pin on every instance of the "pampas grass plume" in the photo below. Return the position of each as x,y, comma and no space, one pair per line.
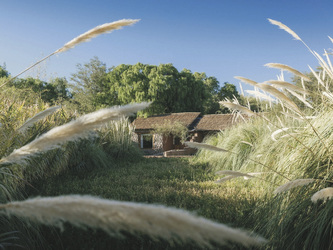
287,85
85,37
204,146
79,128
330,38
287,68
291,184
284,27
276,132
246,80
115,217
233,173
240,108
273,91
326,193
101,29
37,117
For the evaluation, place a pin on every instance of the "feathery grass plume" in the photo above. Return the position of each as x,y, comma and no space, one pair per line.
273,91
291,184
79,128
317,77
284,27
287,68
38,117
301,98
240,108
233,173
101,29
323,194
326,67
246,80
328,95
260,95
276,132
204,146
227,178
330,38
246,142
114,217
287,85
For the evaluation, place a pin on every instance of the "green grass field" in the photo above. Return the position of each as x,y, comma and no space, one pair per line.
175,182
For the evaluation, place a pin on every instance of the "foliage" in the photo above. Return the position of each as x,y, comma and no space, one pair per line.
314,90
175,182
170,91
50,92
175,129
89,85
3,71
290,143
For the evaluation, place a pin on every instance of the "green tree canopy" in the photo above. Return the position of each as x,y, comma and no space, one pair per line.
170,91
51,92
3,71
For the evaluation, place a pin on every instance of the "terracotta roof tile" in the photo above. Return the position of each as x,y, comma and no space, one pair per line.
187,119
216,122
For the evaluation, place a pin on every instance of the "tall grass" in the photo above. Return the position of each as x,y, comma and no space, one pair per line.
295,142
23,151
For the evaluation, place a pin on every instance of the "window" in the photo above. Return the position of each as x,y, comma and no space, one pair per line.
146,141
176,141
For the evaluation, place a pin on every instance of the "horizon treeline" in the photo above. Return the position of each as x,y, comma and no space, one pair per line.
96,86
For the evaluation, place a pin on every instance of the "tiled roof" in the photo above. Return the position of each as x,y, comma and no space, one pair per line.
215,122
188,119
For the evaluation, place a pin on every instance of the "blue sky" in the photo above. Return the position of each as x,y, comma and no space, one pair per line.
221,38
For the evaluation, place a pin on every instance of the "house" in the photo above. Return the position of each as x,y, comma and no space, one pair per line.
198,127
150,141
213,123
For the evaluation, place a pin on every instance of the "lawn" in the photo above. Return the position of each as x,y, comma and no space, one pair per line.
175,182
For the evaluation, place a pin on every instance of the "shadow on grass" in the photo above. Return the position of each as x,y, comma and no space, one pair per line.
173,182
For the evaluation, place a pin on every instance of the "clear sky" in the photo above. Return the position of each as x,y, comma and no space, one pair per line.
223,38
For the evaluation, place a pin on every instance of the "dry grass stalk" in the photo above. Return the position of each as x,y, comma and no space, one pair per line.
330,38
101,29
273,91
240,108
246,142
287,85
41,115
324,65
328,95
79,128
115,217
258,94
301,98
317,77
284,27
287,68
292,184
224,179
326,193
204,146
233,173
246,80
276,132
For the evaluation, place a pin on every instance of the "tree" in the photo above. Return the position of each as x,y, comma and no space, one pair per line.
88,89
53,92
168,89
3,71
228,91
